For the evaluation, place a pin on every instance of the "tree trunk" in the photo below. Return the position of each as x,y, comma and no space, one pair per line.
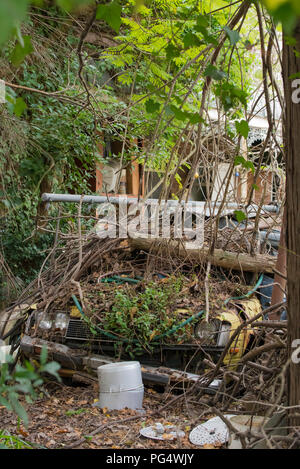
291,66
225,259
280,280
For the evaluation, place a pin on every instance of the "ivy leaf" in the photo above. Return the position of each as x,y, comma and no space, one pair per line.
240,160
194,118
202,22
242,128
233,36
178,113
111,13
152,106
19,107
240,216
20,52
213,72
172,51
190,40
230,95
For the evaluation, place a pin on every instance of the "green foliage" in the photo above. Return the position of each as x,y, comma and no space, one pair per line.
213,72
43,140
140,317
230,95
72,412
286,12
8,441
15,105
240,160
13,12
26,380
21,50
234,36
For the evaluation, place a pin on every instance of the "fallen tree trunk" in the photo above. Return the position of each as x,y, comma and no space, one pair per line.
220,258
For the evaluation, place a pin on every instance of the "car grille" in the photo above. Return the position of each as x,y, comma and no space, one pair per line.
78,330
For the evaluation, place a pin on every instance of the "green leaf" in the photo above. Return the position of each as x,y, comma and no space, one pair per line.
194,117
190,40
172,51
233,36
19,107
286,14
152,106
240,160
52,368
19,409
202,22
5,403
20,52
111,13
12,12
240,216
70,5
178,113
213,72
242,128
230,95
294,76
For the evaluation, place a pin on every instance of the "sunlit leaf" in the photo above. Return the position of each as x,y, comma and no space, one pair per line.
233,36
242,128
240,216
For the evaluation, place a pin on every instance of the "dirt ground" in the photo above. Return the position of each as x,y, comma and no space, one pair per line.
64,415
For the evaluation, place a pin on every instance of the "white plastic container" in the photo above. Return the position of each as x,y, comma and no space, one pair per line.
121,385
5,353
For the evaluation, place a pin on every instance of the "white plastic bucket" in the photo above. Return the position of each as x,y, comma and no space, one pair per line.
121,385
5,353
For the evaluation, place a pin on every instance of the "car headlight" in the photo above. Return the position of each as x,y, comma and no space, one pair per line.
208,331
46,323
61,321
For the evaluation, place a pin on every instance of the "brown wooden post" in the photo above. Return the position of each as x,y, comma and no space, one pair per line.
132,176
